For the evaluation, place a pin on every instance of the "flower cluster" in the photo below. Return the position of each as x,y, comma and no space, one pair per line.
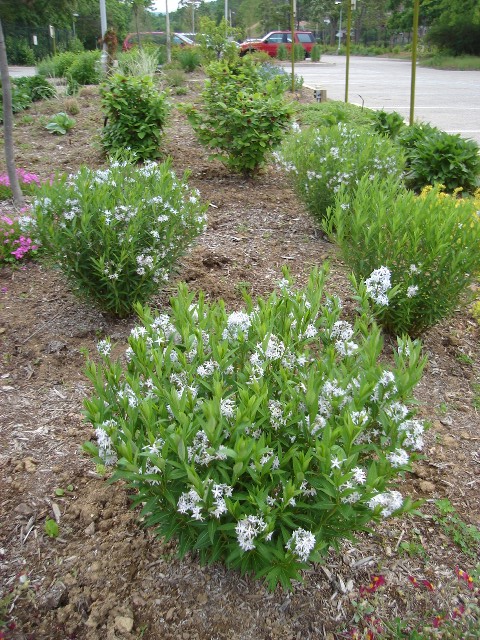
28,181
322,161
12,241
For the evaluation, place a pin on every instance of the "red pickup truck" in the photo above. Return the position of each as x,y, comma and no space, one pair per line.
270,43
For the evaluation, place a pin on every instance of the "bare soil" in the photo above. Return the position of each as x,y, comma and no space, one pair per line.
104,577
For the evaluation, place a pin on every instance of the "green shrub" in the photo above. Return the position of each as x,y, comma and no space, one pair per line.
259,438
57,66
390,124
217,41
118,232
85,69
282,52
298,52
326,114
60,124
37,87
189,58
442,158
243,117
461,37
136,114
429,246
21,99
19,51
316,53
320,161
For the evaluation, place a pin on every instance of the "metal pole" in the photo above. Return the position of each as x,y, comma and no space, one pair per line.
416,11
226,15
347,66
293,11
103,25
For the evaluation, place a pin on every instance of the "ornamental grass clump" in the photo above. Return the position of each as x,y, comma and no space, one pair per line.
418,254
136,114
320,161
262,436
117,233
244,116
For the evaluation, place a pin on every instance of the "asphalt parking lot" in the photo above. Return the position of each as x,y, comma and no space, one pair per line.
449,100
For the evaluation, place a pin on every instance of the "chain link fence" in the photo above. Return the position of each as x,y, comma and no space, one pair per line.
26,45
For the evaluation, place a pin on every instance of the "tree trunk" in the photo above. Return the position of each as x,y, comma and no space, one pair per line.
8,124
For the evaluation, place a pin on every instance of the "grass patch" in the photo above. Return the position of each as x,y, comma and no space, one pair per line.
457,63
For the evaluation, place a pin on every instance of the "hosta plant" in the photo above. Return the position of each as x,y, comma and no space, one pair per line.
135,114
244,116
258,437
118,232
425,250
60,124
320,161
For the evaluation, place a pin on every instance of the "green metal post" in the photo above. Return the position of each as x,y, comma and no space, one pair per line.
292,27
347,64
416,11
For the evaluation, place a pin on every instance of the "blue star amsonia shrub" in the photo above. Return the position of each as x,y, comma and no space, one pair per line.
319,161
259,437
117,233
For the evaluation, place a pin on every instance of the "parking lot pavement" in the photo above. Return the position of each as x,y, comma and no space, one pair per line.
449,100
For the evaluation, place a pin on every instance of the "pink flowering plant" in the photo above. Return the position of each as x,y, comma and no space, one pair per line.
14,244
262,436
417,255
117,232
28,183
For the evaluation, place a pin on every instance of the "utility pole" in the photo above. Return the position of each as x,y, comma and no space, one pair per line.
167,29
293,12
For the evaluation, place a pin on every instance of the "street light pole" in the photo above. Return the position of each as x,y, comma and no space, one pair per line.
416,10
339,27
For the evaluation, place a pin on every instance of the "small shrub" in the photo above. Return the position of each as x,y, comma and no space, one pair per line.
189,59
299,52
429,245
57,66
60,124
316,53
320,161
117,233
136,114
243,117
37,87
443,158
85,68
262,437
330,113
268,71
282,52
390,124
14,245
217,42
19,51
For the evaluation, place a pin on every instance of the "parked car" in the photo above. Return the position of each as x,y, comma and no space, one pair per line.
270,43
155,37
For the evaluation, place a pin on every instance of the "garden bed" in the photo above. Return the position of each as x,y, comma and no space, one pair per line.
106,577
